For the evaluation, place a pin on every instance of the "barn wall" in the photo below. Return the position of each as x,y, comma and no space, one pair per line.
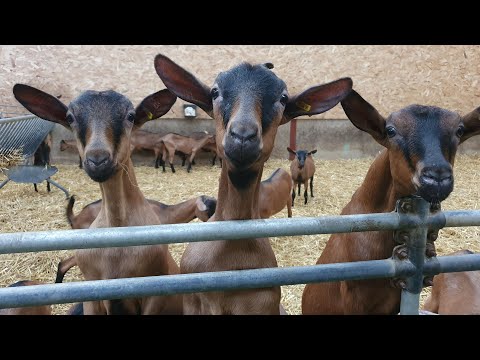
390,77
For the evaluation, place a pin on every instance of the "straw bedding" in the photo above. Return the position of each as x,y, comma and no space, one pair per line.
24,210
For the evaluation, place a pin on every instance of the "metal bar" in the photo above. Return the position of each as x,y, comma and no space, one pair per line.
59,186
198,282
452,263
458,218
416,242
4,183
17,118
208,231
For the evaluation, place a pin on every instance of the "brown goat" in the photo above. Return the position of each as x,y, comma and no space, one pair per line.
248,103
210,146
71,145
27,310
202,207
102,122
145,140
456,293
275,194
421,143
302,169
41,157
184,144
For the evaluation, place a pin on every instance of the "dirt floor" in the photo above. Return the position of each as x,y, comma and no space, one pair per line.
335,181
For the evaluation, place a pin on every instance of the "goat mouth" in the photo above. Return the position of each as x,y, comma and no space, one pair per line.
434,191
101,174
242,158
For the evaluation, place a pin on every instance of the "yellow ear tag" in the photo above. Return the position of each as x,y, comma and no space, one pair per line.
150,115
303,106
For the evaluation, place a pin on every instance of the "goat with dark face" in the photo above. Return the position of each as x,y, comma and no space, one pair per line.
102,122
421,143
248,103
42,156
302,170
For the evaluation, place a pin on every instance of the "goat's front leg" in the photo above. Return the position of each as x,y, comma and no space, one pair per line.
305,193
192,156
299,188
80,164
48,186
35,187
293,195
311,186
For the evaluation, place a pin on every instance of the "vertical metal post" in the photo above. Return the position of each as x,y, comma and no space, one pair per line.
415,241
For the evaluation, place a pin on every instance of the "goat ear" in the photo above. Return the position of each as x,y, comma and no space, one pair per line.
364,116
200,204
312,152
317,99
291,151
183,83
471,121
40,103
154,106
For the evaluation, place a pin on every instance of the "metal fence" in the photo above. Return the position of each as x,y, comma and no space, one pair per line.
414,222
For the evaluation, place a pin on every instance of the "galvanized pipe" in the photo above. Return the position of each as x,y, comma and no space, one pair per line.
416,241
193,232
199,282
17,118
458,218
452,263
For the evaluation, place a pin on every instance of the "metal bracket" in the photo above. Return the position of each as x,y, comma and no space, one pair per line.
402,237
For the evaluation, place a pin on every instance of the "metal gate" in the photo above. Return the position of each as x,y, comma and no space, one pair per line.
413,220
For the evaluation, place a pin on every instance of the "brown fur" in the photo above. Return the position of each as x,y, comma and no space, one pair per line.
275,194
179,143
244,143
302,175
389,178
456,293
108,162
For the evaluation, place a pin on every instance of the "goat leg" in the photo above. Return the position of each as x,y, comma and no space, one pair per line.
311,186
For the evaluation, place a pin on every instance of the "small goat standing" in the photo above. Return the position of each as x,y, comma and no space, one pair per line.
302,169
42,156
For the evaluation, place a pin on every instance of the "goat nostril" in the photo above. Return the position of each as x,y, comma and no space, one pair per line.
437,176
97,161
244,135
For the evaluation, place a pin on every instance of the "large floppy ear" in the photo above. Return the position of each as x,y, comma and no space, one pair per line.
291,151
200,204
471,121
183,84
317,99
364,116
40,103
154,106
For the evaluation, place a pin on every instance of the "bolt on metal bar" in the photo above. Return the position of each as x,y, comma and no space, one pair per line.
416,242
199,282
193,232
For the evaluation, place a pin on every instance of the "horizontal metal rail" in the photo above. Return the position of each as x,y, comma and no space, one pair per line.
17,118
224,230
224,280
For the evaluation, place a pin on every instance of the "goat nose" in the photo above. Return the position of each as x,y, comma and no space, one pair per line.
243,134
98,158
437,174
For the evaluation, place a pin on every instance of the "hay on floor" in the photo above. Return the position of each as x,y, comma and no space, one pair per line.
335,181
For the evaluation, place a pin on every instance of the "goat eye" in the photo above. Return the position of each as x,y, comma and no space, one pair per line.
391,132
460,131
69,118
131,117
214,93
284,99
